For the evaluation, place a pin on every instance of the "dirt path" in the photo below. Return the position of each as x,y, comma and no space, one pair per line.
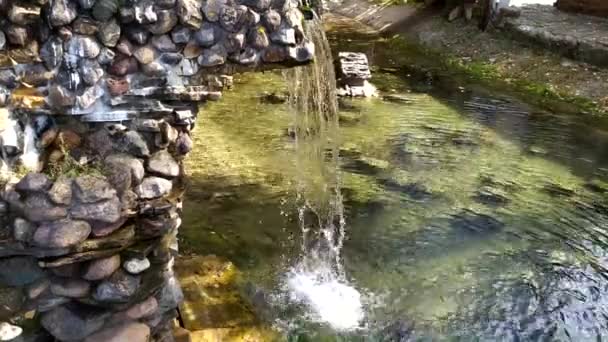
491,54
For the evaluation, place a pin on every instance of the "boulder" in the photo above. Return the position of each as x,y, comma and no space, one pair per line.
61,234
163,163
38,208
103,212
34,182
92,189
73,322
101,268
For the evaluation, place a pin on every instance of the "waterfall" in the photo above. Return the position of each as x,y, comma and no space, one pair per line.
318,279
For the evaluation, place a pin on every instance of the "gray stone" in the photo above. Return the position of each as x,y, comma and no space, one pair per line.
86,4
101,268
51,52
213,9
68,271
92,189
302,53
61,234
166,4
272,20
248,56
8,78
235,42
70,288
133,332
91,71
141,310
171,295
181,35
83,46
109,34
89,97
192,50
9,332
132,143
34,182
119,288
17,35
22,230
144,12
214,56
163,163
184,144
73,322
85,26
260,5
11,301
69,79
134,166
188,67
206,36
106,56
145,54
127,15
106,212
154,187
38,208
275,54
285,36
37,288
19,271
2,40
232,18
103,10
258,39
125,47
137,34
60,97
164,24
154,69
62,12
105,229
49,301
293,18
136,266
163,43
189,13
23,14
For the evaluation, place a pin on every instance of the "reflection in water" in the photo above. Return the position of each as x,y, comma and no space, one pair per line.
470,215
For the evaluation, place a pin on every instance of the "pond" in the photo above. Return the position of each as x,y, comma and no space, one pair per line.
468,214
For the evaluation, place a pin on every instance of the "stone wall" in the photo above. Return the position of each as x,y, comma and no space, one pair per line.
97,102
592,7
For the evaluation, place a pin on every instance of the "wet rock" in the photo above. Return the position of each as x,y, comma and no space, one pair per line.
119,288
106,56
145,54
38,208
85,26
62,12
272,20
213,8
154,187
73,322
285,36
103,10
22,230
181,35
123,66
101,268
117,86
141,310
23,14
34,182
104,212
275,54
136,266
214,56
51,52
137,34
258,39
17,35
70,288
163,43
92,189
109,33
162,163
61,234
37,288
9,332
164,24
206,36
132,143
134,332
28,271
154,69
83,46
184,144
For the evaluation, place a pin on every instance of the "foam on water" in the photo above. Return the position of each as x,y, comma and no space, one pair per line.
331,300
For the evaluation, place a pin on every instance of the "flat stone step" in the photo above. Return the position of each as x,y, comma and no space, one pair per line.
576,36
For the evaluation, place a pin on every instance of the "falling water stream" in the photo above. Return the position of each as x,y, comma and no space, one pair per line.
318,279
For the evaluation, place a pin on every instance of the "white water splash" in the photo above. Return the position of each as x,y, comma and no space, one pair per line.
333,301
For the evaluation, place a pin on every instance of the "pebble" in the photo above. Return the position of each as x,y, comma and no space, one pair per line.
9,332
136,266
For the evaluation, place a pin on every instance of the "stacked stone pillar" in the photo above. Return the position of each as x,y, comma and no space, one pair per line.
98,99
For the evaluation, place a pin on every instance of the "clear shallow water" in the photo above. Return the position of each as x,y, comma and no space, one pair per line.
469,214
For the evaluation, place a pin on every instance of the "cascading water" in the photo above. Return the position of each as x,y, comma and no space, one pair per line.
318,279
